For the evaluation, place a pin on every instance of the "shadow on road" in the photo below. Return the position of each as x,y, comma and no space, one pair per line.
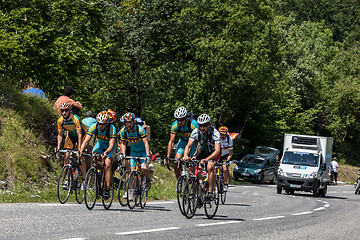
237,204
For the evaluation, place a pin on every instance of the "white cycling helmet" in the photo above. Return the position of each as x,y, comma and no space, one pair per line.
203,119
180,112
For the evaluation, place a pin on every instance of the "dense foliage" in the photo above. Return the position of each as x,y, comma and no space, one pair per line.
263,68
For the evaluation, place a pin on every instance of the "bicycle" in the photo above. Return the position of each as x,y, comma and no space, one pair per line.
136,186
220,181
95,184
70,179
185,174
195,195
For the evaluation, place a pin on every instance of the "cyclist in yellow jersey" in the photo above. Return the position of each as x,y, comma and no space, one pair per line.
76,132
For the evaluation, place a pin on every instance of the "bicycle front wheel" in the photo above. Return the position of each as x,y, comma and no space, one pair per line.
357,187
108,201
190,197
91,188
179,192
211,205
222,194
122,190
143,193
65,181
133,187
79,189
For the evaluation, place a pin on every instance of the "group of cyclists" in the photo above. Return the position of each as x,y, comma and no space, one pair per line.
199,139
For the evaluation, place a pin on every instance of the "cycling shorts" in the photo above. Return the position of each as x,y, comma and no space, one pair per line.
137,154
70,141
203,155
224,158
101,147
181,148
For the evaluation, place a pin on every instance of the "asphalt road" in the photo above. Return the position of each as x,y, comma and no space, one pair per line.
250,212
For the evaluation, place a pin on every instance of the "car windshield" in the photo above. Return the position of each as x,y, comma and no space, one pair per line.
268,151
252,160
301,158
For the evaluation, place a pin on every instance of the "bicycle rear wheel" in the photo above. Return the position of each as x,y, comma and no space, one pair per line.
133,189
65,181
122,190
80,193
212,205
92,188
179,192
190,197
107,202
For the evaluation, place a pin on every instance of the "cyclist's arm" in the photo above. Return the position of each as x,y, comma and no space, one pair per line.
147,148
123,146
188,148
59,138
215,153
79,133
85,143
170,144
111,146
230,155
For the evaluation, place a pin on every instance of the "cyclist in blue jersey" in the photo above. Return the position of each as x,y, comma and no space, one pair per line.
182,126
105,132
135,135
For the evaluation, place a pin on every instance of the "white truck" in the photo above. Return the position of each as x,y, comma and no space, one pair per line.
305,164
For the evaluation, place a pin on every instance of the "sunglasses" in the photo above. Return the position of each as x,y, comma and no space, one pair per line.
102,124
181,120
203,125
65,110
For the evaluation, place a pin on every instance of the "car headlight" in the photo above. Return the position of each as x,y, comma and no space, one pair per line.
313,175
257,170
280,172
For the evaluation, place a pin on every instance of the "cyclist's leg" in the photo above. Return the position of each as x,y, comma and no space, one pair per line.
108,167
179,154
211,175
225,168
68,145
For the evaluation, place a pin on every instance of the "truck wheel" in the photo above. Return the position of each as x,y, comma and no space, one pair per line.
316,192
278,190
323,191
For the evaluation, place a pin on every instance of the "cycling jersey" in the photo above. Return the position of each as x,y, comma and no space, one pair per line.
103,141
207,141
134,139
72,125
226,145
184,131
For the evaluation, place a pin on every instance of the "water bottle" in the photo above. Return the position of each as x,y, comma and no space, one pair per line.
99,174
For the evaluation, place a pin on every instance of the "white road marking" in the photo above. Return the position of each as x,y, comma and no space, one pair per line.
319,209
75,239
147,231
156,203
268,218
301,213
216,223
57,204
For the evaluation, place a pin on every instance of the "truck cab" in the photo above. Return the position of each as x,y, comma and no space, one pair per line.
305,164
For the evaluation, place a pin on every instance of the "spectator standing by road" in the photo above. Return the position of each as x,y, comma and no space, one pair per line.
31,89
67,97
89,120
334,169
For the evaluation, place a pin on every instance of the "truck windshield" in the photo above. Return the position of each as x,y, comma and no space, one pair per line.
301,158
